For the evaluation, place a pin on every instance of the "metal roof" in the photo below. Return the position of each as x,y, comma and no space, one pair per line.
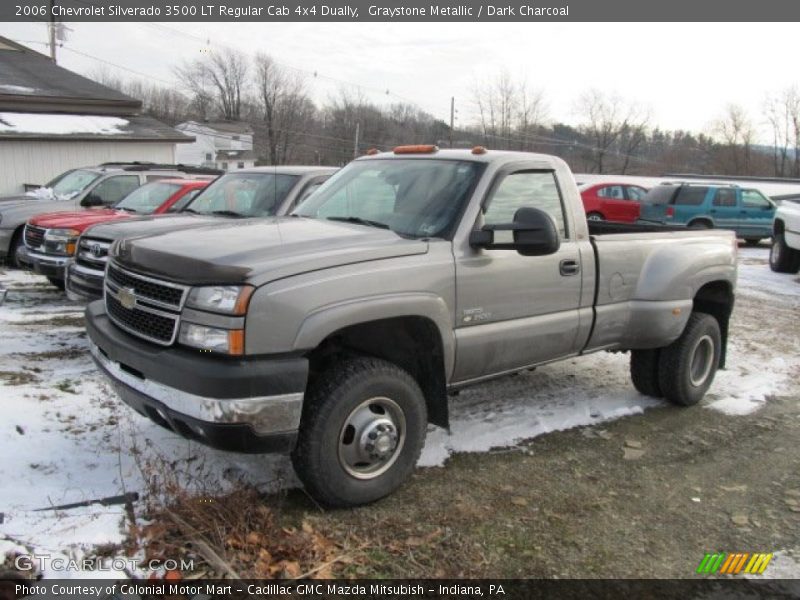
32,82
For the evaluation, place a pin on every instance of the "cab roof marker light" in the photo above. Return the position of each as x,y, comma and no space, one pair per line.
373,152
416,149
479,150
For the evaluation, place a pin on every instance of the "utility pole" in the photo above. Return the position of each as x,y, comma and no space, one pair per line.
52,30
452,117
355,146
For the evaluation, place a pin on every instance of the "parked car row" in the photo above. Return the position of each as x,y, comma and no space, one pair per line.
70,247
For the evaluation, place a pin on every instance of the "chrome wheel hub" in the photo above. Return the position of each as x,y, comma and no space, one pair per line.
372,438
702,361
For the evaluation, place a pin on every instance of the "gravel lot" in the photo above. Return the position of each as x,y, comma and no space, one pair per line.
572,439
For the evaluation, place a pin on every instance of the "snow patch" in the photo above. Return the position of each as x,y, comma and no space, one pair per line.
53,124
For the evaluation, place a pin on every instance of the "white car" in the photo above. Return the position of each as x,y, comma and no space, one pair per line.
784,256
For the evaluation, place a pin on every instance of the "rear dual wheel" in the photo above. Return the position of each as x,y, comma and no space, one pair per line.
683,371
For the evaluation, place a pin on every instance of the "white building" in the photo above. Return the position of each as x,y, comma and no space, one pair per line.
224,145
53,120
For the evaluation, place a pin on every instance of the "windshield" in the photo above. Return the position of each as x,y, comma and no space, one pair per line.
73,183
414,198
244,194
659,195
147,198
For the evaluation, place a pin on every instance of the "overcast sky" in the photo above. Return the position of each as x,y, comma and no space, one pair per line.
684,74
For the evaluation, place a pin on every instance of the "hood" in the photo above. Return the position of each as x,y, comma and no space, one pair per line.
149,225
260,250
16,211
79,219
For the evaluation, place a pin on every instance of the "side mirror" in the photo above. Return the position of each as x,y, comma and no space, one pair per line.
533,233
92,200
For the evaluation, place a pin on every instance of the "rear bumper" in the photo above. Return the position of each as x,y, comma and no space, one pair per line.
82,284
43,264
249,405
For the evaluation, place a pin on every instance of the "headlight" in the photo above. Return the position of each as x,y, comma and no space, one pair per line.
227,299
225,341
61,241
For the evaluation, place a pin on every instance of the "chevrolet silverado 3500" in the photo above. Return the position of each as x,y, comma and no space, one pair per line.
337,333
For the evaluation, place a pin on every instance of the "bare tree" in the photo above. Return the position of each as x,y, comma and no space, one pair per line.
220,79
606,120
284,108
736,132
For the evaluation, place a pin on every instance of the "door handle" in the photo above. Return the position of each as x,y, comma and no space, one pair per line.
569,267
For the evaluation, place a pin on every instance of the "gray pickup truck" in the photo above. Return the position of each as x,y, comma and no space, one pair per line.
337,333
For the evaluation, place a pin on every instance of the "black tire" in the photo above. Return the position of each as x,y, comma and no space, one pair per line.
752,241
59,283
334,398
17,241
782,258
595,216
644,372
684,375
701,224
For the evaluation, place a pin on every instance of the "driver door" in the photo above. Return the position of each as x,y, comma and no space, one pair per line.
513,310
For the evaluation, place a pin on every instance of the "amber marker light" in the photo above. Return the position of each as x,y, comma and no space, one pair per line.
240,308
236,342
416,149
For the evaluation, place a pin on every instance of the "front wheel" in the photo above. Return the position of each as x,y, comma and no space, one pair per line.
752,241
782,258
595,216
361,433
687,366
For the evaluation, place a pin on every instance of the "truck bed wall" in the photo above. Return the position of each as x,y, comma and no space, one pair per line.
646,283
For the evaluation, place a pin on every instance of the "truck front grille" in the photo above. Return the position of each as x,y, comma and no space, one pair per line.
34,236
156,328
93,253
160,293
143,306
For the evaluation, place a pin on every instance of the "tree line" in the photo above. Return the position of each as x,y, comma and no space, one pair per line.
611,134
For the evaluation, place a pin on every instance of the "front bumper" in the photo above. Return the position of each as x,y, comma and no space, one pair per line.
43,264
250,405
83,284
5,242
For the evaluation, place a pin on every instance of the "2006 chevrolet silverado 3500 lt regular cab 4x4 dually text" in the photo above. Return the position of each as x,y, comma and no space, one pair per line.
336,333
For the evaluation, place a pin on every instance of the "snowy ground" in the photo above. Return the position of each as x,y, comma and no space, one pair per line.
66,438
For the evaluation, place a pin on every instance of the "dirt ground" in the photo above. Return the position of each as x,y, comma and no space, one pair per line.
640,496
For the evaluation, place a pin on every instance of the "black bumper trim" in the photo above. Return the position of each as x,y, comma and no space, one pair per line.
193,371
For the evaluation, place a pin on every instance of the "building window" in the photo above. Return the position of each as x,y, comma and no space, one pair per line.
240,165
208,156
225,166
236,138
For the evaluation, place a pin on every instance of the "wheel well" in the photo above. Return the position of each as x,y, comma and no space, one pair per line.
778,227
18,232
412,343
705,220
716,299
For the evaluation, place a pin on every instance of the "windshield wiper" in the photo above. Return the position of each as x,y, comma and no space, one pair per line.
227,213
126,209
360,221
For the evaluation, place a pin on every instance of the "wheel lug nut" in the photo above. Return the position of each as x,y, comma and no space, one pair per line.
372,435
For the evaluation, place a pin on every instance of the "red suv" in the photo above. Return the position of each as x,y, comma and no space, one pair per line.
50,238
612,201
